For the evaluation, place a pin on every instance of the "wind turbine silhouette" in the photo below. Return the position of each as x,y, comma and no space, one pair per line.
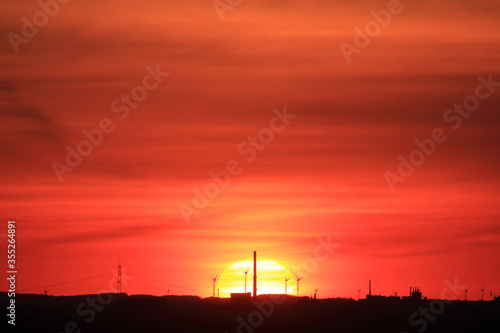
214,283
286,281
298,280
466,290
482,294
246,272
358,293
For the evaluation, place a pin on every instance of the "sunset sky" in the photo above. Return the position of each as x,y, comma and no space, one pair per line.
320,176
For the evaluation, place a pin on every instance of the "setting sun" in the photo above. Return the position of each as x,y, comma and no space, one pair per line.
270,278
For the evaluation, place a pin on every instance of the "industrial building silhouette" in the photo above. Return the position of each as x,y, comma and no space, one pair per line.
250,312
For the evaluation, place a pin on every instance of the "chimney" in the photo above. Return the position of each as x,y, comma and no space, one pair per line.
254,274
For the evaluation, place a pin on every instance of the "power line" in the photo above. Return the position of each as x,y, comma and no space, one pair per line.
173,285
63,283
98,276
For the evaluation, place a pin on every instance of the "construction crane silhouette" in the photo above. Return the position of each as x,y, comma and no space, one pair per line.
214,283
246,273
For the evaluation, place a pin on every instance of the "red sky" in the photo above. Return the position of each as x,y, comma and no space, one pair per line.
322,175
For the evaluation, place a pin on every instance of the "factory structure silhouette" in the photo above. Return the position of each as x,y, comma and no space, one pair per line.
414,295
250,312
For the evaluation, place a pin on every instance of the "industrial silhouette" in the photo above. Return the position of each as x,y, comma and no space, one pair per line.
143,313
245,312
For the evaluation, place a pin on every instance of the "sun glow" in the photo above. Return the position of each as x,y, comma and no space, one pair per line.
270,278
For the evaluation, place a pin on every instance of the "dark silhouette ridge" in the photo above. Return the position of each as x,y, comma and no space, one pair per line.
144,313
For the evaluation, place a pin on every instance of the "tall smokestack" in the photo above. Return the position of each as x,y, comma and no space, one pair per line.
254,273
370,287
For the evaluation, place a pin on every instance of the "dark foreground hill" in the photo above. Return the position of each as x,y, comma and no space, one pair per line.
109,313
